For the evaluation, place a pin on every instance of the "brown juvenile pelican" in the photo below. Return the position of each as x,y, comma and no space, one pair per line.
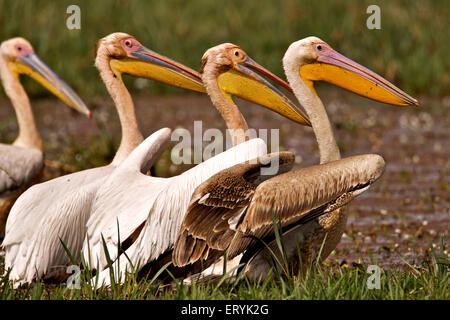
21,163
149,210
235,209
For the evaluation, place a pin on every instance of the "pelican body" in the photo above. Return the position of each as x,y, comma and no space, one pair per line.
22,162
237,208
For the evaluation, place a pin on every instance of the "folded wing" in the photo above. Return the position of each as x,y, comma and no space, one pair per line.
239,218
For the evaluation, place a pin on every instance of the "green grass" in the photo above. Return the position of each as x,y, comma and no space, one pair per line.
429,282
331,283
411,49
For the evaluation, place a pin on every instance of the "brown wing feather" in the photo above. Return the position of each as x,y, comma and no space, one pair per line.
290,198
300,196
218,200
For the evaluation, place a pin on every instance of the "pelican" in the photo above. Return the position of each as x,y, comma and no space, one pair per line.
59,209
22,162
233,209
144,213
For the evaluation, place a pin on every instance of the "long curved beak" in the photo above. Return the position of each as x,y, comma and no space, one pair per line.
148,64
35,68
339,70
247,84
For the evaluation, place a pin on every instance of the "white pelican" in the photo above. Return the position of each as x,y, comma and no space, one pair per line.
21,163
233,209
148,211
59,208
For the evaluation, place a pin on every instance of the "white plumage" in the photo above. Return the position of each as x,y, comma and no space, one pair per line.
159,203
18,166
35,223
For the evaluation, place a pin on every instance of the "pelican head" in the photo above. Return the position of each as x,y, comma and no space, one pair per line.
127,55
230,64
317,61
20,59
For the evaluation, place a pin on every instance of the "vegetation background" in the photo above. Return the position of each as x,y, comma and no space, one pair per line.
411,49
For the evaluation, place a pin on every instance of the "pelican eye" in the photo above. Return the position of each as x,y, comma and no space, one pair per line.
128,43
319,47
236,53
